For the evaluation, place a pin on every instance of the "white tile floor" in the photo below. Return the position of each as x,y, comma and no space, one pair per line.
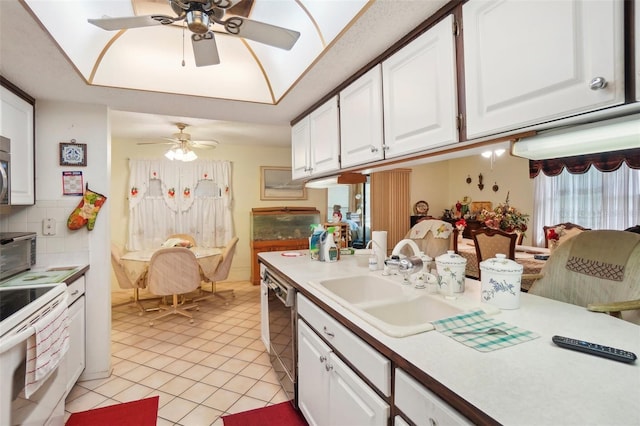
215,367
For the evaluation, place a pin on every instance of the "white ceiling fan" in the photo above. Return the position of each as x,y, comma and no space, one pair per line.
200,15
182,146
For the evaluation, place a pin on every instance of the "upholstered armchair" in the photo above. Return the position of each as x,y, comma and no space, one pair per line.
599,270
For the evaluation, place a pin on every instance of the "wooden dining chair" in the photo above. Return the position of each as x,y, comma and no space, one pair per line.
490,242
221,273
570,230
172,272
598,270
125,283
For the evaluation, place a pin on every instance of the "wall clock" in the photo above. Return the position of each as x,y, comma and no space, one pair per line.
421,208
73,154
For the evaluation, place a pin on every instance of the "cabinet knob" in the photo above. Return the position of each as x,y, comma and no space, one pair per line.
323,358
598,83
432,422
385,147
327,332
373,148
328,367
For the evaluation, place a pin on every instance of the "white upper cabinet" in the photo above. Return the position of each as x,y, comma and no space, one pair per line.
527,62
300,154
16,123
315,142
637,31
361,137
420,94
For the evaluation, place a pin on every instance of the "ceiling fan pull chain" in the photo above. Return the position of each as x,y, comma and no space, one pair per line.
183,30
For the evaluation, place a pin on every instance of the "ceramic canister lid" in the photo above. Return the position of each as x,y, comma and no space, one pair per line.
451,258
500,263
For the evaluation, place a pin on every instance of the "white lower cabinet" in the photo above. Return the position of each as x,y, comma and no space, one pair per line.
421,405
329,392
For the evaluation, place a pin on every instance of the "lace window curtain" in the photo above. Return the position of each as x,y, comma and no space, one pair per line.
593,200
168,197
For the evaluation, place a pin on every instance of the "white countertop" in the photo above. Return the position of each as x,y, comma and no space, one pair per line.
535,382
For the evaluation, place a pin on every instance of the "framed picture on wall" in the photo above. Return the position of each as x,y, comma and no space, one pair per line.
276,184
73,154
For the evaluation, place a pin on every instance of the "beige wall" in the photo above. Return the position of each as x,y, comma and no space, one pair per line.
443,183
246,162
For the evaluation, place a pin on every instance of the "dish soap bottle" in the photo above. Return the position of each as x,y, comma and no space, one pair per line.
331,249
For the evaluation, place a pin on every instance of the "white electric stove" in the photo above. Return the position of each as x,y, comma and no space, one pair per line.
20,307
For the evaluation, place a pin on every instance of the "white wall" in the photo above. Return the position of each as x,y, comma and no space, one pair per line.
443,183
60,122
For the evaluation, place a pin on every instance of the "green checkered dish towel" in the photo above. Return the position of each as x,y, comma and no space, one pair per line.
478,322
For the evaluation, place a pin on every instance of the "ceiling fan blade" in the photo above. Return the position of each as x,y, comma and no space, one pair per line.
158,143
225,4
261,32
205,50
204,144
123,23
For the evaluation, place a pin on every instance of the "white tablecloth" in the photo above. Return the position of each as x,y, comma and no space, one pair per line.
136,263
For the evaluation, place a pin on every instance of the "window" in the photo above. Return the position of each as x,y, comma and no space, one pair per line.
179,198
594,199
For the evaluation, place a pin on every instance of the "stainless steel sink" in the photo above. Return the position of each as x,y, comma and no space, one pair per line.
395,309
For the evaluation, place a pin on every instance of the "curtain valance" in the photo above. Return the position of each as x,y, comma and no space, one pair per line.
579,164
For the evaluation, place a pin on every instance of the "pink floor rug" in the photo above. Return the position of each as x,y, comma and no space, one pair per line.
143,412
282,414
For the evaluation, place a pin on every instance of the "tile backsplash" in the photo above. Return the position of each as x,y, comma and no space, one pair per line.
65,247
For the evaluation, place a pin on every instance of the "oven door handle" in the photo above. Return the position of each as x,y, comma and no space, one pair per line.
16,339
5,182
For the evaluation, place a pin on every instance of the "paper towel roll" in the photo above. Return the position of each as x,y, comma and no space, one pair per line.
379,239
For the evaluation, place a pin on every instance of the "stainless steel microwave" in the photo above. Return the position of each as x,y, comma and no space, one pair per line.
5,172
17,252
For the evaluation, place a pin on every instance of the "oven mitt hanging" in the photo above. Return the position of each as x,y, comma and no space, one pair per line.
87,210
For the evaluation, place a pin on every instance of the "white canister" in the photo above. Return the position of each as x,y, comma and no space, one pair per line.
451,269
500,282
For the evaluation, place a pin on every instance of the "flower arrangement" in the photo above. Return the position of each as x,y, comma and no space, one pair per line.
505,218
555,233
553,236
461,224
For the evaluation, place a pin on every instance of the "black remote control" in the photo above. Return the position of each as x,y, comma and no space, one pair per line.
594,349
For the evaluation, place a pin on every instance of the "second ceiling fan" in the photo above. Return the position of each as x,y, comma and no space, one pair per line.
199,16
182,145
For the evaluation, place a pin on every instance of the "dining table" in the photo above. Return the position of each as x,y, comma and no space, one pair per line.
136,263
525,256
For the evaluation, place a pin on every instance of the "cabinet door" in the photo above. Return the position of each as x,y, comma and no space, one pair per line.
419,91
361,137
17,124
75,357
264,315
527,62
300,162
421,405
351,400
313,379
637,31
325,137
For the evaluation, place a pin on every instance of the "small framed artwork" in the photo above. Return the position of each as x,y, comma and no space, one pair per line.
276,184
73,154
72,183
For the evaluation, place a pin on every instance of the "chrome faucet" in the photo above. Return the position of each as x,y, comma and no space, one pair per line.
406,242
406,265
